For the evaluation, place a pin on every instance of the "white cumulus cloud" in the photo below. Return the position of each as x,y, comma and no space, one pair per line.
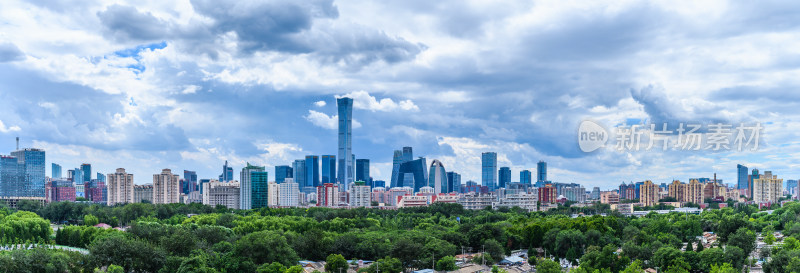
320,103
363,100
15,128
328,122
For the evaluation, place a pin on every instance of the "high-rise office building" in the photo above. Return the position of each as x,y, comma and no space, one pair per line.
503,177
190,178
362,170
101,177
166,189
346,168
23,173
328,169
541,171
120,188
253,187
378,184
525,177
408,154
453,182
227,173
741,171
397,160
312,171
283,172
437,178
413,174
86,168
299,167
595,195
56,170
489,170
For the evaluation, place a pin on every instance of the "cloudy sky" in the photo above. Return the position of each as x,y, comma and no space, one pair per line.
188,84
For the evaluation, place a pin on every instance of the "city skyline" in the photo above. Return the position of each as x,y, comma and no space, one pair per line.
145,94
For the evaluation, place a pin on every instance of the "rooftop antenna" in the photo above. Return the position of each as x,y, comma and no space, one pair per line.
17,143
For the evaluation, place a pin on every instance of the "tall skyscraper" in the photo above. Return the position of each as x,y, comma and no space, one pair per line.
396,162
166,189
413,174
299,167
362,170
120,188
56,169
541,169
253,187
227,173
489,170
283,172
346,169
86,168
246,184
525,177
453,182
190,178
328,169
408,154
503,177
312,171
437,178
742,176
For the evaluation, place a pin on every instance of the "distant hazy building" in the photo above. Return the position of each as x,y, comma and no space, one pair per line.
489,170
101,177
190,180
595,195
328,169
346,168
503,177
362,170
453,182
360,195
437,178
401,157
283,172
541,171
227,173
61,190
299,167
120,188
221,193
56,170
525,177
742,181
166,189
767,188
791,187
86,169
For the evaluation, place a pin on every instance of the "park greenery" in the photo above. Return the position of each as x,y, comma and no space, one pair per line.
198,238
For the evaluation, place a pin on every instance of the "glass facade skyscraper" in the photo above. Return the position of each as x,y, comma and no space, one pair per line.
227,173
101,177
437,178
253,187
397,160
86,168
741,176
283,172
414,174
489,170
23,173
453,182
299,168
56,170
541,168
345,106
190,178
362,170
328,169
503,177
312,171
525,177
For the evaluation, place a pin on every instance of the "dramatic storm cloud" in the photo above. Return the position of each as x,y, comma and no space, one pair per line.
188,84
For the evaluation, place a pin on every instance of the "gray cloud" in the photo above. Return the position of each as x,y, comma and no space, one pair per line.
10,52
126,23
